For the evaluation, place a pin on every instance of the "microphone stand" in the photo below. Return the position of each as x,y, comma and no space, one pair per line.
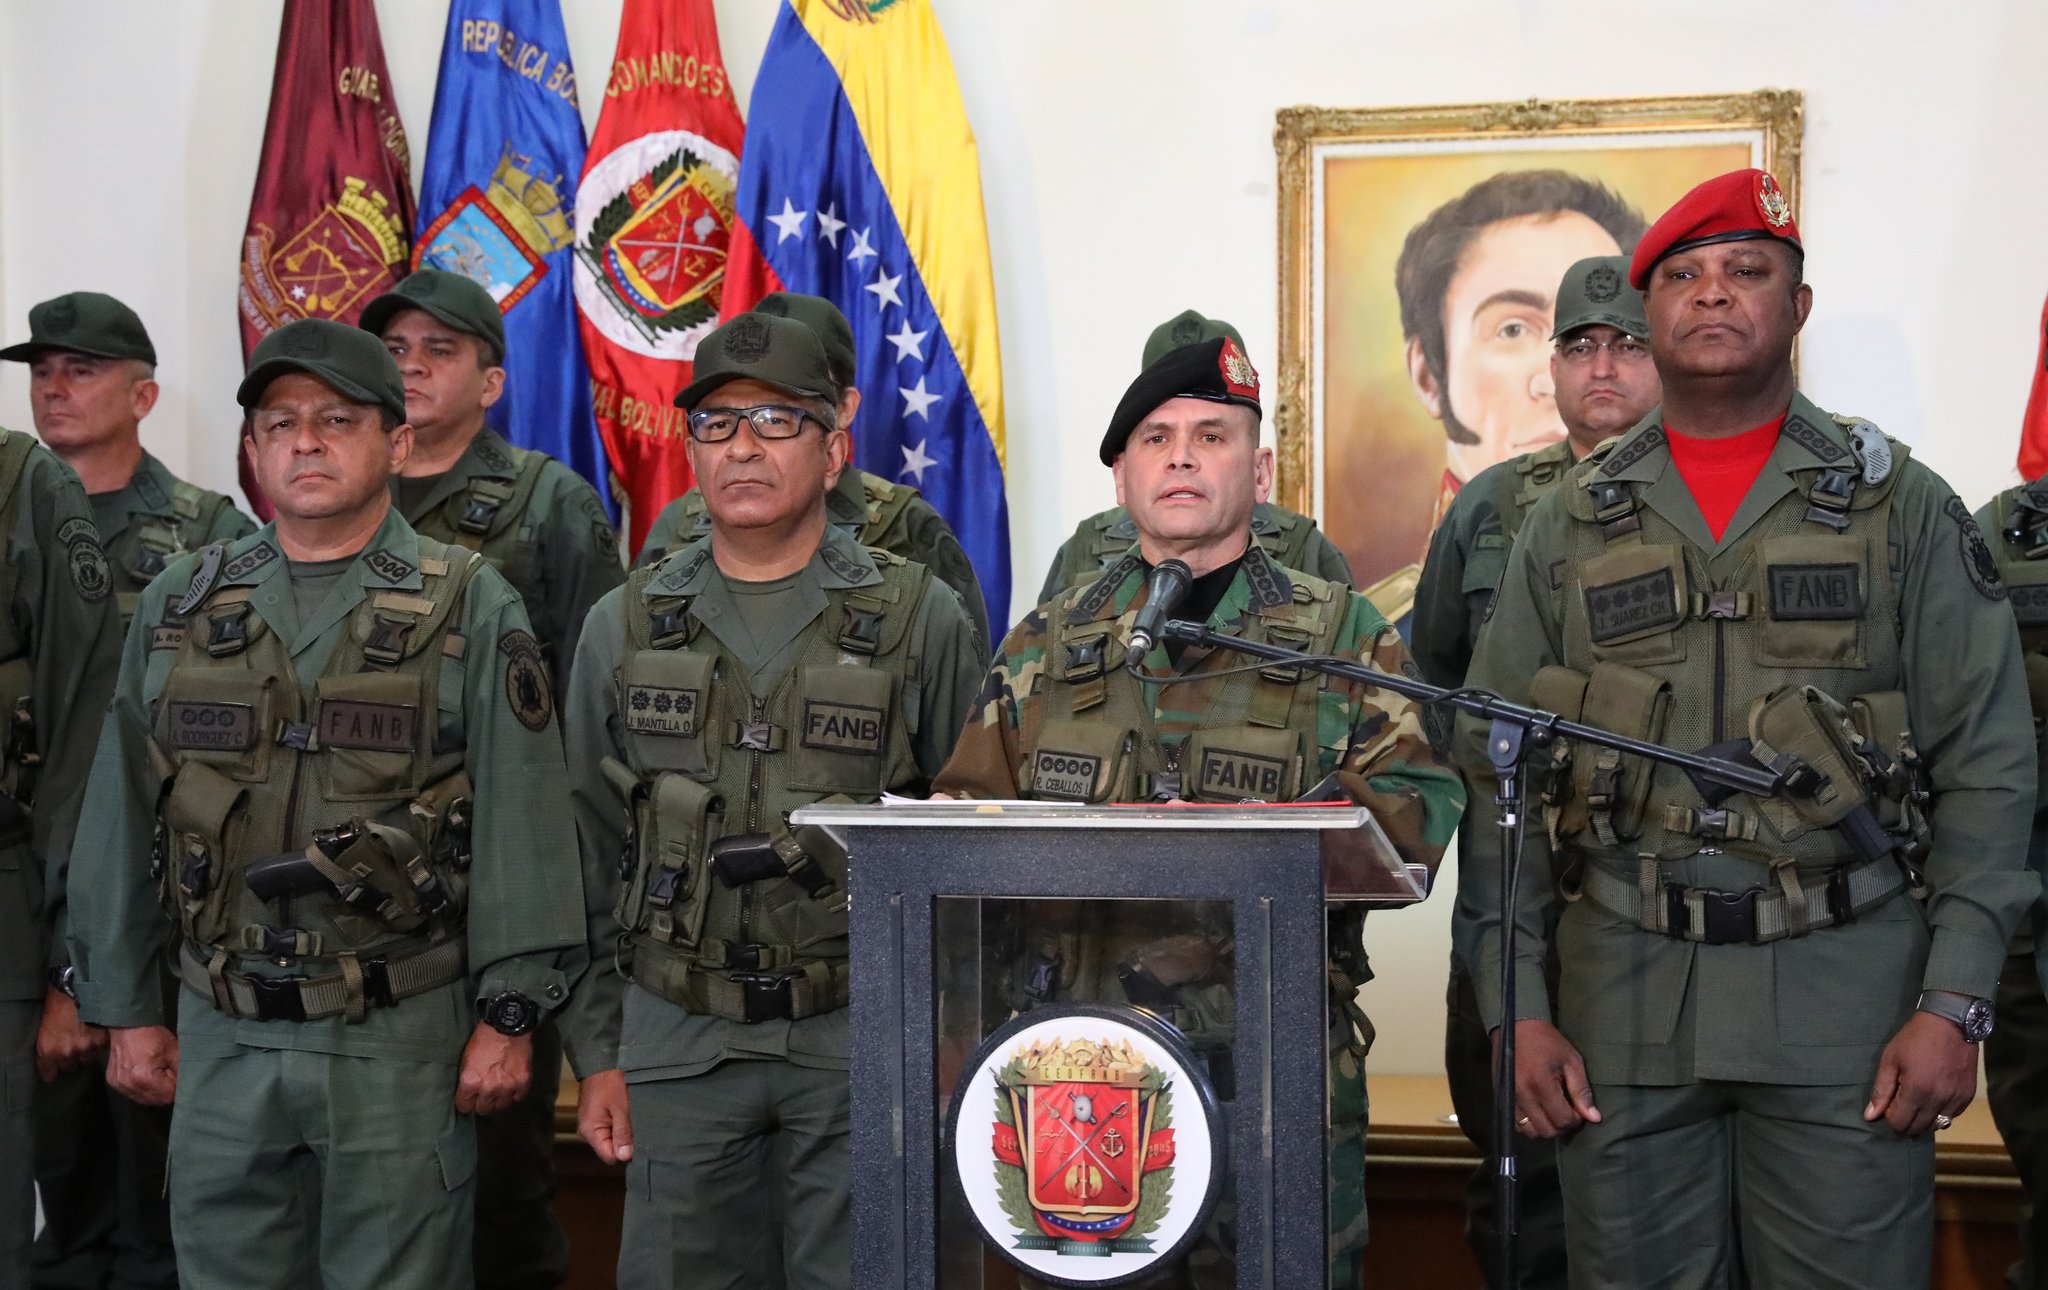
1516,730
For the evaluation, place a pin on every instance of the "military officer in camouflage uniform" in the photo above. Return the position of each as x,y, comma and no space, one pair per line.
1292,540
1772,997
100,1157
1184,446
767,665
894,517
321,761
542,527
1600,366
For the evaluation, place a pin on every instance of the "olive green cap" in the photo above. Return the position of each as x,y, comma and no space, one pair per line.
781,352
349,360
84,322
824,318
1184,329
1595,292
459,301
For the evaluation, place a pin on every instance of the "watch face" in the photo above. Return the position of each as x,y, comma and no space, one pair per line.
513,1014
1977,1019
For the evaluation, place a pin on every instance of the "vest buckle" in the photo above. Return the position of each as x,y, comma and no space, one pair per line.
388,637
478,514
862,631
764,996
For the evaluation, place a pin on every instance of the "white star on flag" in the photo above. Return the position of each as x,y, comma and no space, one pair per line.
908,343
298,293
862,248
917,400
915,463
884,288
829,224
790,222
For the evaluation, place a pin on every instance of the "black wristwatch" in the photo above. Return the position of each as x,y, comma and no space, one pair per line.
64,980
1972,1016
510,1013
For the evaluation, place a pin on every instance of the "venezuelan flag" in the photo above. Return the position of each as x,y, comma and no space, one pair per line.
860,182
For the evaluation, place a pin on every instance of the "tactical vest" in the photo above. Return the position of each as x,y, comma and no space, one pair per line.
19,754
1792,659
883,506
2020,525
488,517
1536,473
344,802
726,910
140,551
1103,539
1260,737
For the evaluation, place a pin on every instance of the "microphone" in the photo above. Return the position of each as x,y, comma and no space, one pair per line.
1164,591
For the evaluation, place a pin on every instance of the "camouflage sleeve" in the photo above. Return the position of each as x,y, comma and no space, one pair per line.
662,535
227,523
580,552
952,661
1325,561
1056,573
985,760
1967,702
590,1024
935,546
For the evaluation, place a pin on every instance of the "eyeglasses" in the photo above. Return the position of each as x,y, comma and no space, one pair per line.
1580,349
771,421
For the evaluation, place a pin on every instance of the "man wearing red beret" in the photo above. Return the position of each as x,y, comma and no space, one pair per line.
1781,997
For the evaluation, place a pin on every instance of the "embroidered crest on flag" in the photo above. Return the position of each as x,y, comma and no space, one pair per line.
500,237
336,261
659,214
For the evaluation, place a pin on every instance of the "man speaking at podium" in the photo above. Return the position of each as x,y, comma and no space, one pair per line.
1059,719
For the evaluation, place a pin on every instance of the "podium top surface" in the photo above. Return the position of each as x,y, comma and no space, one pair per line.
905,813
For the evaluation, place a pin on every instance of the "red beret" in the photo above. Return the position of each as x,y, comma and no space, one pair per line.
1736,207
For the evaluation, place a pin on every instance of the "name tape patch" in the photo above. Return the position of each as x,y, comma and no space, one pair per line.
1066,776
1228,772
382,727
212,727
661,710
843,727
1643,603
1815,592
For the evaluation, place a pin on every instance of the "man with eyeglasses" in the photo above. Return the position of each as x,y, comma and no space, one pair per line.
769,664
1600,366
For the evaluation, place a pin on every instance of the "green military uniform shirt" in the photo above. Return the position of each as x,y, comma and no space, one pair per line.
154,518
1777,602
522,928
1100,541
539,523
611,1026
891,517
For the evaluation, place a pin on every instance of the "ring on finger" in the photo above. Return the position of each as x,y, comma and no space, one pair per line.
1942,1121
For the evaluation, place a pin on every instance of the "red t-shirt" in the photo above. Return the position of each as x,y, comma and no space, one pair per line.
1720,471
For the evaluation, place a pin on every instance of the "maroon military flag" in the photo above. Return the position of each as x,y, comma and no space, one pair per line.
330,222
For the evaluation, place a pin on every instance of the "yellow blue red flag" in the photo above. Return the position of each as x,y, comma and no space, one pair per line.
860,183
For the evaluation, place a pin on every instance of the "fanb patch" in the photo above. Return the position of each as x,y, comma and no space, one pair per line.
660,710
1065,776
381,727
389,567
1231,774
212,727
2030,605
1978,561
843,727
1643,603
1815,592
248,562
81,543
526,681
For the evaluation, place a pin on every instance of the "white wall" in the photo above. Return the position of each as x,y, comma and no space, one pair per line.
1128,169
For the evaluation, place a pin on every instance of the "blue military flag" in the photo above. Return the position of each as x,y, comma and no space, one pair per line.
497,204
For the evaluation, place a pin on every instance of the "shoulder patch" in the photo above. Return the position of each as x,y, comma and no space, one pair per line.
1978,561
388,566
1809,436
526,680
1620,459
81,543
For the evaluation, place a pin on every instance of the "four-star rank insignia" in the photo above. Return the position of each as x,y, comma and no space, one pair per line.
340,258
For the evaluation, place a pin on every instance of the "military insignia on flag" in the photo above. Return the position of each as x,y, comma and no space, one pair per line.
659,213
500,238
336,262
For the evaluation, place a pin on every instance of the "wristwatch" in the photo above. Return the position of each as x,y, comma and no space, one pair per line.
1972,1016
64,980
510,1013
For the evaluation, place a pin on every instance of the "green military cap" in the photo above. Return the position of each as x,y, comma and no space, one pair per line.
1595,292
455,299
84,322
1184,328
1213,367
351,361
824,318
781,352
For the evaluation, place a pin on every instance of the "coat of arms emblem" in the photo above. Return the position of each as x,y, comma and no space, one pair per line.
500,237
353,249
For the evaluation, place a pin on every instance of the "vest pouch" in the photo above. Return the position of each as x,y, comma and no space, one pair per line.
1242,763
1881,720
675,820
1609,789
1803,732
1633,600
1078,761
379,895
203,822
222,717
842,735
665,704
1562,691
367,726
1813,602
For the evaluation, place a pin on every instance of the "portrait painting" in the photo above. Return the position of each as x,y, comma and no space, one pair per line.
1420,254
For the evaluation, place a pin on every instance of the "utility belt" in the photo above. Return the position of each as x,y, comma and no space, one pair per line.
359,984
1754,916
746,989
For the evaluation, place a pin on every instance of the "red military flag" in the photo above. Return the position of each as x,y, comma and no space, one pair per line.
330,222
653,217
2034,430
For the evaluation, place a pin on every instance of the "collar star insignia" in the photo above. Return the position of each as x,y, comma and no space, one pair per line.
915,462
917,400
908,343
862,248
829,224
789,223
884,288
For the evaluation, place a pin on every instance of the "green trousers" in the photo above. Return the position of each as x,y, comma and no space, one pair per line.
714,1155
1828,1202
100,1173
2016,1085
18,1020
519,1242
307,1171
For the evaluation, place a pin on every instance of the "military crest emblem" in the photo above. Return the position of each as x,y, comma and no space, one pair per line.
1239,376
653,223
347,253
1086,1141
1771,201
500,237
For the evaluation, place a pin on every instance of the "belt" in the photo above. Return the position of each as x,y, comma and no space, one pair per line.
361,982
1755,916
785,994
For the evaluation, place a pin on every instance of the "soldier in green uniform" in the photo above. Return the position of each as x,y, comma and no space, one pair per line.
1774,997
890,516
99,1156
1184,446
1600,366
59,639
770,664
542,527
321,762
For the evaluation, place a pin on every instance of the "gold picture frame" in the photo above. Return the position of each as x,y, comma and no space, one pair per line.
1354,183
